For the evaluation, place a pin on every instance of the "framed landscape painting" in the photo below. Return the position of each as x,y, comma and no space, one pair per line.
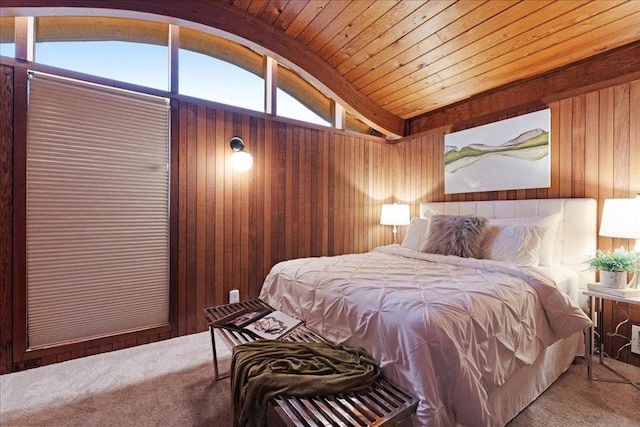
511,154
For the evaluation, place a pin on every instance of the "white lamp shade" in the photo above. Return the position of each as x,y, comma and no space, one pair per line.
241,161
621,218
394,214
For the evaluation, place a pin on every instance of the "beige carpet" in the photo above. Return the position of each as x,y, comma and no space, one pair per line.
170,383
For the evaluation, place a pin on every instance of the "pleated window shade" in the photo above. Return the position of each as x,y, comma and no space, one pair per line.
97,211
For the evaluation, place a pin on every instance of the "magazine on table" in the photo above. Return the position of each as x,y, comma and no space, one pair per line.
262,323
272,326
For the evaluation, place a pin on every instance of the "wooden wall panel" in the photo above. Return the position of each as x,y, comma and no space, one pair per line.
318,191
309,193
6,217
595,152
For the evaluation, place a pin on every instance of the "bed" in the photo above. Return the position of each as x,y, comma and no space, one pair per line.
475,338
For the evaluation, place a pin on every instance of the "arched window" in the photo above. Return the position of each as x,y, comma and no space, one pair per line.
123,49
209,66
298,99
220,70
7,37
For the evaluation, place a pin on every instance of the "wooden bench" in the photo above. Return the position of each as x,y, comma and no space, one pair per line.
379,404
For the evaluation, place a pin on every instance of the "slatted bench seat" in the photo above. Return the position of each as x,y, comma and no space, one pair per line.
379,404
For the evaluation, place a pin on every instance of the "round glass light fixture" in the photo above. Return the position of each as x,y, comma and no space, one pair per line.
240,159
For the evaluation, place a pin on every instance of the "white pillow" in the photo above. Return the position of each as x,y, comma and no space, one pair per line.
550,222
416,236
514,244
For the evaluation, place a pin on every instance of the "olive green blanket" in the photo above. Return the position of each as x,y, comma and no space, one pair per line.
263,369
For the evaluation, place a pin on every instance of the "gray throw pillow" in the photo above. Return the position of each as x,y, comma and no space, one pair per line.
460,235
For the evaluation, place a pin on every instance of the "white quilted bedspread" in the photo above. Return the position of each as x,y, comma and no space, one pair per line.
446,329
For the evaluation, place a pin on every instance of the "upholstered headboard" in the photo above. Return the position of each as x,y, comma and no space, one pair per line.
576,236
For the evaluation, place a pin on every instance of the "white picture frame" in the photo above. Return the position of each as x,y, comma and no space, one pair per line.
511,154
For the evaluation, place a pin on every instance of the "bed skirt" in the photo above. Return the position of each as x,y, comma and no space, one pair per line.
506,401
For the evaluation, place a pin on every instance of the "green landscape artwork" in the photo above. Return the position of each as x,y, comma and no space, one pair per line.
510,154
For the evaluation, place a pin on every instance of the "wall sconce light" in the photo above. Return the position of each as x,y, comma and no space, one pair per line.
240,159
395,215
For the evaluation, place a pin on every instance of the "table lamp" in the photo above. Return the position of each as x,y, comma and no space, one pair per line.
621,219
394,214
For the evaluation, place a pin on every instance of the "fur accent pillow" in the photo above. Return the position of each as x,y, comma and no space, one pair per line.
460,235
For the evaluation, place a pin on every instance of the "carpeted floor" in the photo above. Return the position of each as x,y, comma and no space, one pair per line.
170,383
573,400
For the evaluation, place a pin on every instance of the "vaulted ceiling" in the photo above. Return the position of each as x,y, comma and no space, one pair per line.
396,60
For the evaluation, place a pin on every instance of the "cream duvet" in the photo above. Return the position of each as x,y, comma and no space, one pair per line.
447,329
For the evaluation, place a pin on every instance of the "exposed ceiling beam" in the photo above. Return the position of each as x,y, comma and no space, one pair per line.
606,69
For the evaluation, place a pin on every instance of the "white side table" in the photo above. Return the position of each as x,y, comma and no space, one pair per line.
601,296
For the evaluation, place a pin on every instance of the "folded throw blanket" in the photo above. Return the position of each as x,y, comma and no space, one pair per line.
263,369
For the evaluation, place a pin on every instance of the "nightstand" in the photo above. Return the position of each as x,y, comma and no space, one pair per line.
601,296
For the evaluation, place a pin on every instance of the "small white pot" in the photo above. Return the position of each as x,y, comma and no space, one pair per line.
613,279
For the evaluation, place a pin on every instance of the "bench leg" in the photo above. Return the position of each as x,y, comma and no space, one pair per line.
215,353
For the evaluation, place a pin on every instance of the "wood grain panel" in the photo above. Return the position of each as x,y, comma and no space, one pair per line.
578,146
363,21
181,267
191,248
429,63
19,300
287,14
374,31
304,17
565,114
430,18
6,217
390,32
554,190
343,15
210,205
592,126
174,220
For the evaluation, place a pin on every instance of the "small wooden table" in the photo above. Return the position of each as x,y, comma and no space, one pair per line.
377,405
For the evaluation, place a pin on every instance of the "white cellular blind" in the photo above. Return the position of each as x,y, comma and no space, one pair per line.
97,211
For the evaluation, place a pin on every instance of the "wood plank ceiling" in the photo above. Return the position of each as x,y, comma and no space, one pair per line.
412,57
396,60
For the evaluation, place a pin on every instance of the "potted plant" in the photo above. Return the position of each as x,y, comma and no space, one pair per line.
614,266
